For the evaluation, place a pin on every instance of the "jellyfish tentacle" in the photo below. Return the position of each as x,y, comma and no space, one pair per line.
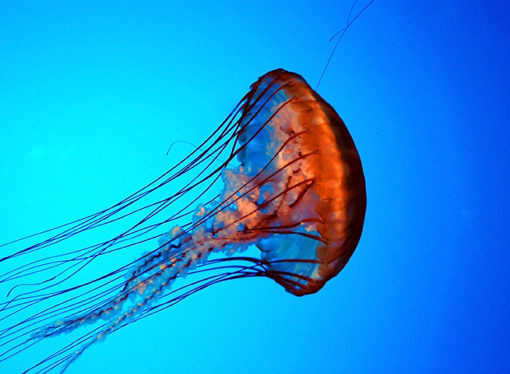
149,273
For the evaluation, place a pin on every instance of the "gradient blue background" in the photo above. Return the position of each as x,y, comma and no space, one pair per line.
93,93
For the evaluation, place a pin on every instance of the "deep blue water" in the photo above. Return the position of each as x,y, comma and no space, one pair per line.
92,95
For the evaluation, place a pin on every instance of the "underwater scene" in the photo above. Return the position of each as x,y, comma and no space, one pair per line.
278,187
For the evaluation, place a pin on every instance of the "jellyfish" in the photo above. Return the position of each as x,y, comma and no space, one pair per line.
276,191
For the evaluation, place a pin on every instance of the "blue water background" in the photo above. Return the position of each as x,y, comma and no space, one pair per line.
93,93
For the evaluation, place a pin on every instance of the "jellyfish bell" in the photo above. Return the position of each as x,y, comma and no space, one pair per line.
317,175
292,185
